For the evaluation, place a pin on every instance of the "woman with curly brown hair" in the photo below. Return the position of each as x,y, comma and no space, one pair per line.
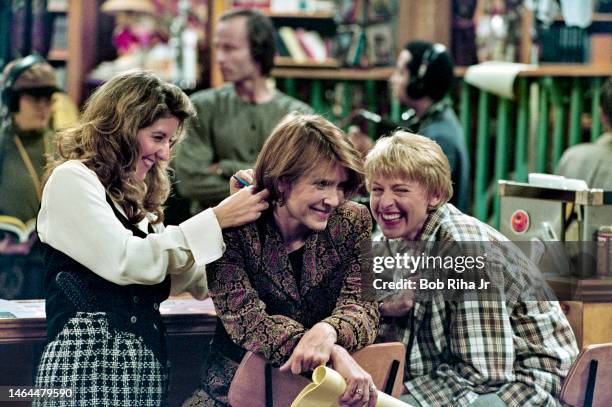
110,262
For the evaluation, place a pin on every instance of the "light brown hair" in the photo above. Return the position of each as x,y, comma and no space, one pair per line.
299,144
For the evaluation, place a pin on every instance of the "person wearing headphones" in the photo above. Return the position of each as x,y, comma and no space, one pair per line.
422,79
25,138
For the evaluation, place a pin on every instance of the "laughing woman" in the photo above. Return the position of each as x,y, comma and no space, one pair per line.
109,260
289,284
500,351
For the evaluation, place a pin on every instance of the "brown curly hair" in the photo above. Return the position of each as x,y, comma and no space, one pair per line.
106,139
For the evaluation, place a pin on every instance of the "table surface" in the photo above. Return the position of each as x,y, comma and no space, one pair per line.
182,315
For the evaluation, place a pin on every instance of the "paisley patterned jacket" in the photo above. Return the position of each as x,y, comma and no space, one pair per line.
261,307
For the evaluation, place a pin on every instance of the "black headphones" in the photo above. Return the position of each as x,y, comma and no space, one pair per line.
416,87
9,98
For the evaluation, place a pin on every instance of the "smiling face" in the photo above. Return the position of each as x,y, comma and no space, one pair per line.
400,206
311,199
154,144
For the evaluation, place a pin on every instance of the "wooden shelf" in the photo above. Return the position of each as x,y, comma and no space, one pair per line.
288,62
602,17
58,55
597,18
334,74
302,14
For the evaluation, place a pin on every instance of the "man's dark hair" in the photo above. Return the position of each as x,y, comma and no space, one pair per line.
261,34
606,100
431,77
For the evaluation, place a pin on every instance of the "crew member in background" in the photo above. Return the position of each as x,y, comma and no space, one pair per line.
234,120
28,85
422,79
591,161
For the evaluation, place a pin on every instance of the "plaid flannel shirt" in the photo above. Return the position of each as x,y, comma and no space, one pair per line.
520,350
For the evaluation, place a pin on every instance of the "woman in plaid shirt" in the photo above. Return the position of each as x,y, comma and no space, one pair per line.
502,350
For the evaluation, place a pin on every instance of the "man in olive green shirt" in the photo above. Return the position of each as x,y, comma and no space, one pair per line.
232,121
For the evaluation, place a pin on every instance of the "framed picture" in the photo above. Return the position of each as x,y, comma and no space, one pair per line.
380,44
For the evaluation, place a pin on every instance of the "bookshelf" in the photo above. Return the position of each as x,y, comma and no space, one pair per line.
73,41
338,74
58,51
598,40
414,19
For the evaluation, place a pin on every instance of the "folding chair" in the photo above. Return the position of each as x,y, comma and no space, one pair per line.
589,381
258,384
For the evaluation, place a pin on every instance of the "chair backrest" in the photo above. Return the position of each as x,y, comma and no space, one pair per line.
248,388
589,380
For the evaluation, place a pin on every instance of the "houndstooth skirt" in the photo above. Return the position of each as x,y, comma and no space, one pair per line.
103,367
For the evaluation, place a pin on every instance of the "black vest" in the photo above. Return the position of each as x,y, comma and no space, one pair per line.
133,308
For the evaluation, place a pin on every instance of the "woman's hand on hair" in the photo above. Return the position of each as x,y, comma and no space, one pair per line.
313,350
243,207
245,175
360,389
398,304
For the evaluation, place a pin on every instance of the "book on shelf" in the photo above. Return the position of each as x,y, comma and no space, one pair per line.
281,48
291,6
289,37
261,4
342,42
350,11
302,6
313,44
356,51
560,43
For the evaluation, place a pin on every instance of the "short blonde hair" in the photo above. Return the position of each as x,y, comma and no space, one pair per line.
299,144
413,157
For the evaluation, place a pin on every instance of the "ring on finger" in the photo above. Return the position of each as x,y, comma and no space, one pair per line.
372,388
359,391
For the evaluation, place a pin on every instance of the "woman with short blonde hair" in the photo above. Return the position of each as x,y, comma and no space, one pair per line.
414,157
497,349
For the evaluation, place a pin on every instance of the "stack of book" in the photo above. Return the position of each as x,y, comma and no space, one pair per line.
302,46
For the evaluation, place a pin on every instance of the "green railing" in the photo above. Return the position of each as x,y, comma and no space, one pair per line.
551,112
506,138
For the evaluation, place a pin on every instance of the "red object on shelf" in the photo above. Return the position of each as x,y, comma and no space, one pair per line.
519,221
